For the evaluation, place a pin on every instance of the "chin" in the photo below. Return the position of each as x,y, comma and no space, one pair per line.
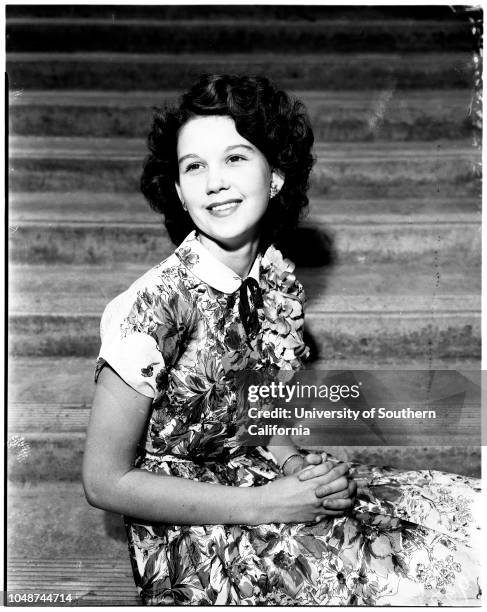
233,238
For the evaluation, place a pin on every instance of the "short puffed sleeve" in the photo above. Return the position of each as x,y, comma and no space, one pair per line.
129,342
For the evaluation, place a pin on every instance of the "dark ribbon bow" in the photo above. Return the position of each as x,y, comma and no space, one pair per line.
250,301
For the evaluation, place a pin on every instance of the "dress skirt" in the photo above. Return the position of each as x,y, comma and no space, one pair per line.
412,539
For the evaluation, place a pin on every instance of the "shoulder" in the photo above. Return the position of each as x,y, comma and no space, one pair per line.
135,325
154,288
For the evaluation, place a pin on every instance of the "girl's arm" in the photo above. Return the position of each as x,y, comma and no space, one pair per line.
119,416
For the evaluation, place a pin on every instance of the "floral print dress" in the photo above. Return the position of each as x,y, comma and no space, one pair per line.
177,336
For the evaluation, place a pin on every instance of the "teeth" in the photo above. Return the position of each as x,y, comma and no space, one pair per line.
223,206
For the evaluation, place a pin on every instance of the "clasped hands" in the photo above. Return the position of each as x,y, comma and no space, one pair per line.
336,491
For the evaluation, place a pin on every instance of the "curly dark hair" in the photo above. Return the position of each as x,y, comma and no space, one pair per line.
274,122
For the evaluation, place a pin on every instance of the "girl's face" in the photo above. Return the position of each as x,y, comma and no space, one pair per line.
224,180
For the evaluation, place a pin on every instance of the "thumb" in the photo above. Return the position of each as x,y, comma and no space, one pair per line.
312,459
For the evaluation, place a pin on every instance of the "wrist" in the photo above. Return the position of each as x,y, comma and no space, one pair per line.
262,510
292,464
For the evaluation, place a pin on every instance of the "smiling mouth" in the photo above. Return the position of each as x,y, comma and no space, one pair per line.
222,207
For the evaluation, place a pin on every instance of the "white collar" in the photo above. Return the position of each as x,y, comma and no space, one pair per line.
209,269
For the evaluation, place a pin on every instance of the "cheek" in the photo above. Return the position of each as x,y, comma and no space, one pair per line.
265,178
189,187
258,180
262,188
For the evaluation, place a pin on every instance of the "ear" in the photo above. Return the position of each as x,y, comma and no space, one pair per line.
277,179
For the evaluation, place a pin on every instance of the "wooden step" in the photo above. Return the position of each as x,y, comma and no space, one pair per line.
38,451
132,208
68,381
343,170
330,71
70,547
442,335
310,12
430,242
456,396
68,34
43,380
58,421
353,310
60,517
133,149
35,419
445,331
76,582
335,116
346,287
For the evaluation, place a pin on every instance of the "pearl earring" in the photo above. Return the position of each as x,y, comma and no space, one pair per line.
273,191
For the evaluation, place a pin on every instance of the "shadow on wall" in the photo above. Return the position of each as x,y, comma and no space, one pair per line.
309,247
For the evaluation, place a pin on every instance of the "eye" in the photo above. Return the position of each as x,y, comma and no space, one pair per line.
236,157
193,166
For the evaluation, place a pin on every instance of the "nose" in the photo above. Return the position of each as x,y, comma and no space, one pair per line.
216,179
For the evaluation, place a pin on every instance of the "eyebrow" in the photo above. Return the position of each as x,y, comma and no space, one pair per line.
230,148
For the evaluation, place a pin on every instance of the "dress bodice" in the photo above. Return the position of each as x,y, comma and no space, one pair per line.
184,321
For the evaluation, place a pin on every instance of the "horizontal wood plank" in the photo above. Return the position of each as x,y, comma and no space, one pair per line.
90,581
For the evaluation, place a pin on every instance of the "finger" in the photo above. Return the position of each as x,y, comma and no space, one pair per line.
340,484
326,471
350,491
331,513
313,459
338,504
315,470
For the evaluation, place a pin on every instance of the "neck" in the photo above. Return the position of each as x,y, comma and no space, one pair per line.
238,258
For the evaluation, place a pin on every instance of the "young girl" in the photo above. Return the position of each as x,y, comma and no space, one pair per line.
209,521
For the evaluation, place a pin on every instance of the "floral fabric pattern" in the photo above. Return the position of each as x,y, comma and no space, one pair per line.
411,537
